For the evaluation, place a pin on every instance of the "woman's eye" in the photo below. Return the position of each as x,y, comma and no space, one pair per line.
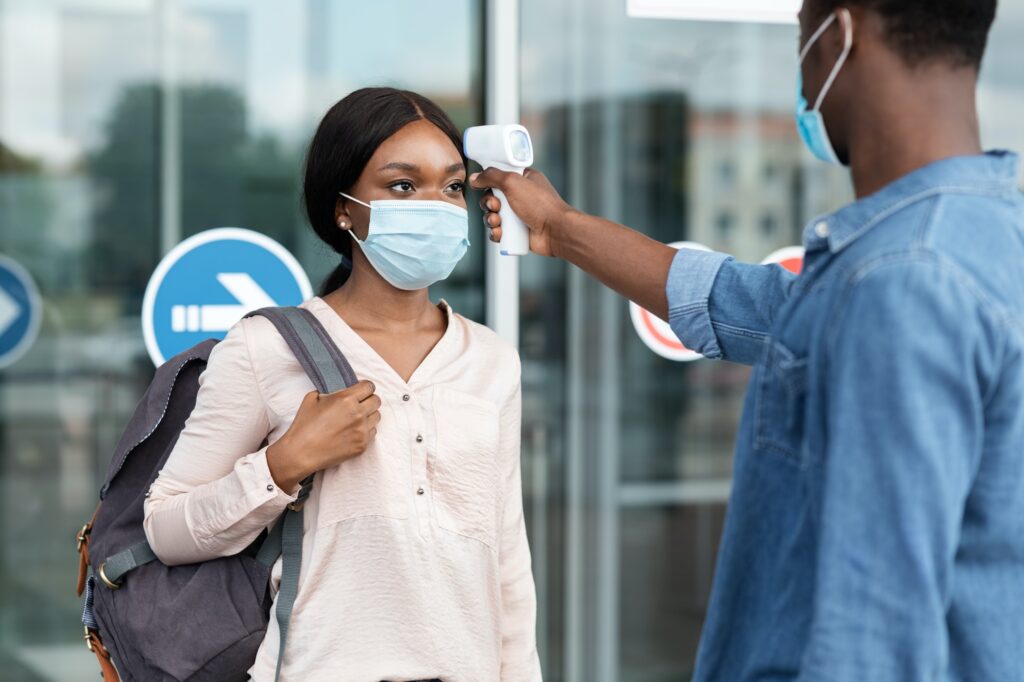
457,187
403,186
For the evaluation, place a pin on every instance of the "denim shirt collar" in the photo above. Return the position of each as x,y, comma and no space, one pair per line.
995,173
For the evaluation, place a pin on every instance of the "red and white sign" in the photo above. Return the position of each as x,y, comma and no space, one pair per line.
656,333
753,11
791,258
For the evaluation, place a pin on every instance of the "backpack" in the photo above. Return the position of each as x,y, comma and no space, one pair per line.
200,622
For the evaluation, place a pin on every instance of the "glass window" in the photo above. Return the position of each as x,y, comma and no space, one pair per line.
683,130
126,126
724,223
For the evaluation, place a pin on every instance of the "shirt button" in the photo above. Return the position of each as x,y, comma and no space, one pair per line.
406,397
420,491
270,487
822,229
419,439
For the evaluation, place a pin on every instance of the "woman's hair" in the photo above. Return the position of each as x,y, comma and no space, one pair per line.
346,139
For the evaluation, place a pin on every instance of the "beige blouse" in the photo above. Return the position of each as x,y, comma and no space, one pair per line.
415,561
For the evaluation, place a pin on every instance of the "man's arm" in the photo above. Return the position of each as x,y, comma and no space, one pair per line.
904,412
624,260
716,306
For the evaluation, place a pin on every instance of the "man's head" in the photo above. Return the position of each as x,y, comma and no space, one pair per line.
951,31
895,46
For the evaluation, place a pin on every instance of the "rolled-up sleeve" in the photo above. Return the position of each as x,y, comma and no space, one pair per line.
723,309
215,493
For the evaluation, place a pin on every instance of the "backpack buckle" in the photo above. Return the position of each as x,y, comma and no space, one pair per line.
83,536
88,639
105,580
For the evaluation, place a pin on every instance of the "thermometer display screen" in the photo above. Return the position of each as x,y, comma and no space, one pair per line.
520,146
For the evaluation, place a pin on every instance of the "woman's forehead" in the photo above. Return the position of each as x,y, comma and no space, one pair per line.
421,144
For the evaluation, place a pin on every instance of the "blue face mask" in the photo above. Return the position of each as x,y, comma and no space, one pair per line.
414,244
810,123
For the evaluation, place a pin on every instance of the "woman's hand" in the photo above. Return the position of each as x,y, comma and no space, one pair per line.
532,197
327,430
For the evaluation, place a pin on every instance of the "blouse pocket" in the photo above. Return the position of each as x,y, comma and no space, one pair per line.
464,470
781,402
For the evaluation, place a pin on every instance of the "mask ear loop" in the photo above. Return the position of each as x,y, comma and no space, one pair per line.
349,196
817,34
847,48
352,233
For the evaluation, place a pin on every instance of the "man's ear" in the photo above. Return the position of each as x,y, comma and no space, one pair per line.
851,19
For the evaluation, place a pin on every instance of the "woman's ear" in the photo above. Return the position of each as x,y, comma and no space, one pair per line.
341,216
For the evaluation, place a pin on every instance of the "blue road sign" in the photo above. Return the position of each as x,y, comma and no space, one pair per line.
21,310
210,281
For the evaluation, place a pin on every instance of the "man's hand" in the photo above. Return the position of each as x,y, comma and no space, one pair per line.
630,263
533,199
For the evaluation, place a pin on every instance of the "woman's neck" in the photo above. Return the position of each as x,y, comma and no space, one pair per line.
368,301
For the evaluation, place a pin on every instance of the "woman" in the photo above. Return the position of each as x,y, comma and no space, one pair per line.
415,561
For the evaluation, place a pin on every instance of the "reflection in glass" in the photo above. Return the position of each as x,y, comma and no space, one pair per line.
124,128
684,131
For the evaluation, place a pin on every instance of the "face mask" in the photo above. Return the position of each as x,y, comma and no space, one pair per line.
414,244
811,124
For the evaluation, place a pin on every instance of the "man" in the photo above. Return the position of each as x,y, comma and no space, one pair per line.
876,528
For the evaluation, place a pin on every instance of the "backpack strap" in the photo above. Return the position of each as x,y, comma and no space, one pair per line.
113,569
329,371
321,359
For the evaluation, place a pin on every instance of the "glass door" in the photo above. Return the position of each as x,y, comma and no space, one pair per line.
126,126
683,130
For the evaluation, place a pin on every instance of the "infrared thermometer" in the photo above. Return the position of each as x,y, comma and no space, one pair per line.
507,148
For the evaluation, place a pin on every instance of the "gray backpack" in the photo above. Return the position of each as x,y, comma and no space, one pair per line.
147,621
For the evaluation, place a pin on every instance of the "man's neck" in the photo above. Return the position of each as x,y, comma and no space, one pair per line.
927,116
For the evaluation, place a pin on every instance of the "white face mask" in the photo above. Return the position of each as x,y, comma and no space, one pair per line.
414,244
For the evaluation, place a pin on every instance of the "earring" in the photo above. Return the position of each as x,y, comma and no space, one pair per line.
342,224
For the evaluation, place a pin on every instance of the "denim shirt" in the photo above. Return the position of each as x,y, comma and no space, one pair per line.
876,526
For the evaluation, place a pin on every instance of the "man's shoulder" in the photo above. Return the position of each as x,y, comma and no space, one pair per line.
971,241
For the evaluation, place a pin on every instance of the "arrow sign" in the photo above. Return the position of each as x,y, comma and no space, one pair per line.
10,311
20,311
191,297
220,318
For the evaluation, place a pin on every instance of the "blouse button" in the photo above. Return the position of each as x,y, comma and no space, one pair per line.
419,439
420,491
270,487
406,397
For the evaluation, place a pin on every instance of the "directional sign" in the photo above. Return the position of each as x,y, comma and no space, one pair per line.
754,11
791,258
656,333
210,281
21,310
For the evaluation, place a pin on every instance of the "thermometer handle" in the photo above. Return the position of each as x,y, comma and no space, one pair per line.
515,236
